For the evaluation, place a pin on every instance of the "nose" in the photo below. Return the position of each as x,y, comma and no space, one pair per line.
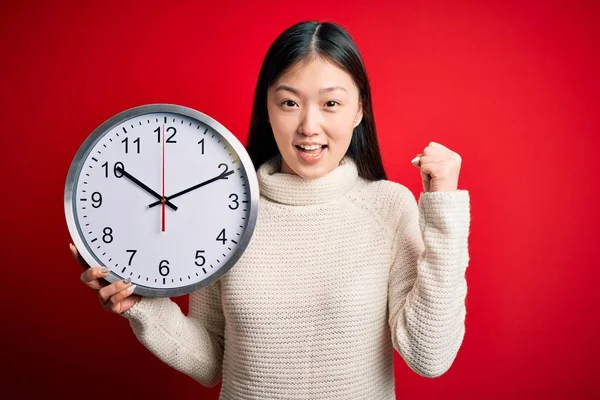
310,123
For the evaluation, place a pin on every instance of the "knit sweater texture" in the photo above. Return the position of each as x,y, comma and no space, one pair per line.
340,272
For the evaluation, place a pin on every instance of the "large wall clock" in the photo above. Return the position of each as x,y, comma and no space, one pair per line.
162,194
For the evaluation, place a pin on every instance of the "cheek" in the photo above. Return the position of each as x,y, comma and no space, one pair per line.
284,126
283,136
340,130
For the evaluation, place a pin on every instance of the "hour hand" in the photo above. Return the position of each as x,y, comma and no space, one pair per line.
223,175
145,187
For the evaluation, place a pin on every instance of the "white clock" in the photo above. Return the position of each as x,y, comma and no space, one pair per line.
164,195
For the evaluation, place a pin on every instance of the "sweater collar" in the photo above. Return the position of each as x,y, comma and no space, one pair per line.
295,190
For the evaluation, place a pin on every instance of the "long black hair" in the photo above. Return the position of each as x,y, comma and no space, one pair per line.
298,43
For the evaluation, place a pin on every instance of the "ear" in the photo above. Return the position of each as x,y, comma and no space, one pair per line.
359,115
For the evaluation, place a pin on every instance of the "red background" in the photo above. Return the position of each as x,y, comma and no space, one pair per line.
513,88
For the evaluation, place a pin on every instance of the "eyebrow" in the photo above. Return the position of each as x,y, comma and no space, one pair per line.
296,92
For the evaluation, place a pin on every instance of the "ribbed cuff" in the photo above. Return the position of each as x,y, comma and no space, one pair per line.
147,306
446,212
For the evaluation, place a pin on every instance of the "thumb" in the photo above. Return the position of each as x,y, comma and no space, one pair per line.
416,161
425,178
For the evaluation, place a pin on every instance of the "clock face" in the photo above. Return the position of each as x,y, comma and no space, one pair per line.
164,195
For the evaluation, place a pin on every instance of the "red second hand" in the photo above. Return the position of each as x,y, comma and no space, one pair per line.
163,178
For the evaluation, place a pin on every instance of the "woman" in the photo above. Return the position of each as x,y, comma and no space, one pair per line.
343,266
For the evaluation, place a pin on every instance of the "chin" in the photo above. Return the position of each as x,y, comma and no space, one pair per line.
312,171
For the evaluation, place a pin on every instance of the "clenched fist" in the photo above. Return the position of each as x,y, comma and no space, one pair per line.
439,167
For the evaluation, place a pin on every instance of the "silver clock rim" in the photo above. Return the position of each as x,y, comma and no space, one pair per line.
98,133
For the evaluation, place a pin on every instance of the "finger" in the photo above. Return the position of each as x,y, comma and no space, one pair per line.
91,277
416,161
77,256
117,298
112,289
423,158
435,150
430,160
436,144
73,251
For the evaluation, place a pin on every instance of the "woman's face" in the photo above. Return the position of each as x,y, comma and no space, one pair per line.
314,104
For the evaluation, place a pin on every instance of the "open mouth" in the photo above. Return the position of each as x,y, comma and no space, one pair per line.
312,153
314,149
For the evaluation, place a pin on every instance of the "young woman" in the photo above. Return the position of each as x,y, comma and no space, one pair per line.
344,266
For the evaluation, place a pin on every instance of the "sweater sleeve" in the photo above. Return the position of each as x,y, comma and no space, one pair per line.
427,286
191,344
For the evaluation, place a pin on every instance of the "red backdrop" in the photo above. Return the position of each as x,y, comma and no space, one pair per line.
512,88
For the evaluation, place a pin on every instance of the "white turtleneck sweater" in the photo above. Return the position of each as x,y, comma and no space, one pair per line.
340,272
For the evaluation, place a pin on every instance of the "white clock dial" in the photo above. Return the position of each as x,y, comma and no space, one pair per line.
164,195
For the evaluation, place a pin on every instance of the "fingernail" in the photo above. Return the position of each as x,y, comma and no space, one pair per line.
130,288
105,270
414,160
126,281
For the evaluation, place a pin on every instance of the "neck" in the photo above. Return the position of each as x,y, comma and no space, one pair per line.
292,189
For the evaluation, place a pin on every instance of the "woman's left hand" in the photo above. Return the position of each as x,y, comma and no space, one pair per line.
439,167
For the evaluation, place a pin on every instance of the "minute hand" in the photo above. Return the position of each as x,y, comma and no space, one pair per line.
216,178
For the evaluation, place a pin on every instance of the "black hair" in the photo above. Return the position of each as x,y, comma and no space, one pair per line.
298,43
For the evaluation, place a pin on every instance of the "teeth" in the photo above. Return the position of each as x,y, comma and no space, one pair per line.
311,147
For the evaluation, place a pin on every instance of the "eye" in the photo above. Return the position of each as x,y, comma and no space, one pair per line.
289,103
331,103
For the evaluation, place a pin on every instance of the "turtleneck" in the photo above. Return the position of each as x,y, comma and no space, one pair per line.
297,191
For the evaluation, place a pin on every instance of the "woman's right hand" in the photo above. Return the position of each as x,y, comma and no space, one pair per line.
116,297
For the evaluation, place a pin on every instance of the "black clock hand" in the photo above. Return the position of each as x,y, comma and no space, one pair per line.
143,186
223,175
